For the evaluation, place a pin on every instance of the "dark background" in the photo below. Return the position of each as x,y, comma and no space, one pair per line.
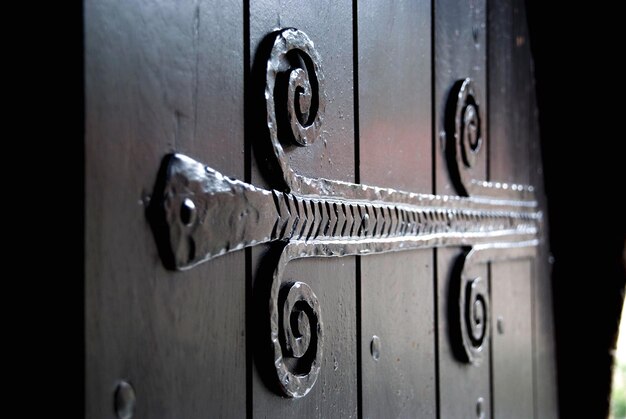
580,91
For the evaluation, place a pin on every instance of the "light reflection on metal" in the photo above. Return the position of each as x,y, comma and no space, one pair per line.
299,319
295,62
465,140
473,316
198,214
231,215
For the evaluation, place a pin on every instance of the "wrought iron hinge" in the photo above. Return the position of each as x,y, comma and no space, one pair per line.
198,214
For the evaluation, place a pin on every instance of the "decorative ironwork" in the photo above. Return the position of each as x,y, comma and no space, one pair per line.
474,317
198,214
229,215
465,139
296,333
295,62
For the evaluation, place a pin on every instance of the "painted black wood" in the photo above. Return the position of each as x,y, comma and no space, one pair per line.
329,26
459,52
524,368
394,103
187,77
155,73
509,160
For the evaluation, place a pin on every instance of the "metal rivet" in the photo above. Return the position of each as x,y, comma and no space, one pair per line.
187,211
500,325
480,410
124,400
375,347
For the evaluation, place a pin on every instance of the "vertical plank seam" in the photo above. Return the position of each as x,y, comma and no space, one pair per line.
487,84
533,274
247,158
357,179
355,92
436,328
491,344
488,46
434,136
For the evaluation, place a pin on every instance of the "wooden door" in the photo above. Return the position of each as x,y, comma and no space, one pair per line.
186,77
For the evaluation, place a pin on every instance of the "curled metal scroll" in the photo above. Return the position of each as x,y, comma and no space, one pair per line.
474,314
468,132
296,330
198,214
466,140
294,96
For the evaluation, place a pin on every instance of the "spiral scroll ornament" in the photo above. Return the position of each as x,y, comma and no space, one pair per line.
474,308
465,134
294,96
294,71
300,322
297,333
468,131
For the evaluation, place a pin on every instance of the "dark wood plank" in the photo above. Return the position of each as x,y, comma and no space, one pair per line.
329,26
460,52
511,338
515,157
461,384
397,307
512,371
544,342
395,94
335,392
394,87
510,81
160,77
